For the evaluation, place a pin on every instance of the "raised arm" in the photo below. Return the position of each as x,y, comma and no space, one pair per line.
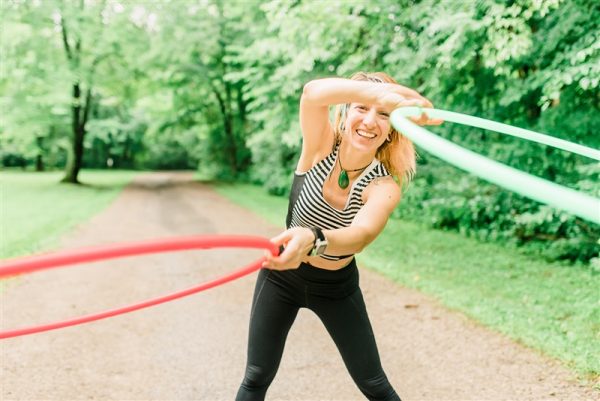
318,95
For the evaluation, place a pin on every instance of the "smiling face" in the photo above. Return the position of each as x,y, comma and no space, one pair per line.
366,126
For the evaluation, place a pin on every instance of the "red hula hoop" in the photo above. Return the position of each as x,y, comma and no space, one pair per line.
31,264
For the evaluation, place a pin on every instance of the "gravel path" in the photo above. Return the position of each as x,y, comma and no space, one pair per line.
194,348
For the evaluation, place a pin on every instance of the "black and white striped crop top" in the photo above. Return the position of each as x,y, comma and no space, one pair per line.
308,208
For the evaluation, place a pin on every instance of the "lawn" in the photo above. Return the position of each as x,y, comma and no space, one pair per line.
35,209
551,307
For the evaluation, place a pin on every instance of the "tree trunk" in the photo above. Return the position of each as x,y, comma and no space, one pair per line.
244,157
76,152
80,107
231,149
226,105
75,157
231,146
39,161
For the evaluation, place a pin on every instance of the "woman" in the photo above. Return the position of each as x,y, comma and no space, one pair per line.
342,196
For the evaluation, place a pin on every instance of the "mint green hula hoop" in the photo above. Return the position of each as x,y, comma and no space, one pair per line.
569,200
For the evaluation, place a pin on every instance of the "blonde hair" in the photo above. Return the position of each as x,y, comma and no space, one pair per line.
398,154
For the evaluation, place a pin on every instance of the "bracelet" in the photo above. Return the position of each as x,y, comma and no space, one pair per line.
320,242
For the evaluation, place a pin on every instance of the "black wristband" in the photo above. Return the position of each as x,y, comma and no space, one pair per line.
316,234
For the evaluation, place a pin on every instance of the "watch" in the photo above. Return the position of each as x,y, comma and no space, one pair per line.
320,242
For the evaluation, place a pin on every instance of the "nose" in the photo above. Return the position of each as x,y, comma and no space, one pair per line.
369,120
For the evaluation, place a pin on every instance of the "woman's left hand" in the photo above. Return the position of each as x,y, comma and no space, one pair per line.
394,100
298,242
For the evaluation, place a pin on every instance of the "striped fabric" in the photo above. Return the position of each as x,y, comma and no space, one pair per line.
312,210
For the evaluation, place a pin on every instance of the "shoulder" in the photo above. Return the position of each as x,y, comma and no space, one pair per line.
383,190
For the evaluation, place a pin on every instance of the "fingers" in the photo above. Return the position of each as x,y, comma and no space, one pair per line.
288,259
411,102
427,103
297,241
412,95
282,238
283,262
435,121
424,119
415,99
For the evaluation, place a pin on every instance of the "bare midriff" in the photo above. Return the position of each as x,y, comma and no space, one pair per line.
321,263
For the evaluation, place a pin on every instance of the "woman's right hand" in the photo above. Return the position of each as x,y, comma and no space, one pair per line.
298,242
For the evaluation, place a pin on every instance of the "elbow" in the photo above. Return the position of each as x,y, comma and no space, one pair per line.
361,247
311,91
308,91
365,239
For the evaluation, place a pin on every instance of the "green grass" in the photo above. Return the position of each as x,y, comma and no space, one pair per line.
549,307
271,208
35,209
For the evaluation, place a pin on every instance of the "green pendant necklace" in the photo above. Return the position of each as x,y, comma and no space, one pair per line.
343,180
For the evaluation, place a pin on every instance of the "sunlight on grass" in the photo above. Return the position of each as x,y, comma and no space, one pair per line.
548,306
271,208
36,209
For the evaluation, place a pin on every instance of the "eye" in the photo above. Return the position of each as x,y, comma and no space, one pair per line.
384,114
361,107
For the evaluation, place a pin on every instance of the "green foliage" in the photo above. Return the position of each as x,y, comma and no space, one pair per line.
113,141
50,48
529,63
444,197
215,85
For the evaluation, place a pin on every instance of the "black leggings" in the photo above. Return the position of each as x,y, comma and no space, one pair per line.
337,300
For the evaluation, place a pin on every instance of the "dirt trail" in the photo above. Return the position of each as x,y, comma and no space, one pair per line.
194,348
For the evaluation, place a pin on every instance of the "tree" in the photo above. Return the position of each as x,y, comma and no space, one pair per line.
215,84
193,60
78,49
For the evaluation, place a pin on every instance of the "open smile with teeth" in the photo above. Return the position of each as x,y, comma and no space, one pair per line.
365,134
